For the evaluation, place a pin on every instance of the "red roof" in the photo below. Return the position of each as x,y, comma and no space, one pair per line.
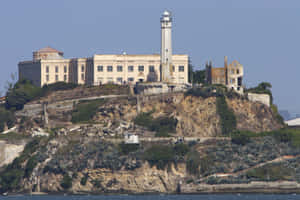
48,50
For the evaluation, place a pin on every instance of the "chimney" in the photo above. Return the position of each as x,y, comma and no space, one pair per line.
225,62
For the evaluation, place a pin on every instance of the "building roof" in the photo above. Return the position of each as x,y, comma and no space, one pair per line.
48,50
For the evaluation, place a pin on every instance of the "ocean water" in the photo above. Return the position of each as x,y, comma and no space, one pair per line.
160,197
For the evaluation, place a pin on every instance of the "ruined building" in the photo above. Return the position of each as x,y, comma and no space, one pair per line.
230,75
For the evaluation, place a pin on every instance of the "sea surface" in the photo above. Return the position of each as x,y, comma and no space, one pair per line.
160,197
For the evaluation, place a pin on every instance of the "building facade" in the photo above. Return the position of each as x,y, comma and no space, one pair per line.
102,69
49,66
230,75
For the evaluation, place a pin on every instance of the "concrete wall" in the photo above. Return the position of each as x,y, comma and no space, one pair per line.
262,98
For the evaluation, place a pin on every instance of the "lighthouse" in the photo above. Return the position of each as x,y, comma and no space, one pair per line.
166,47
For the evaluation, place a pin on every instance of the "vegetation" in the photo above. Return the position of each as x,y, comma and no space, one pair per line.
66,182
271,172
84,179
227,117
159,155
198,76
125,149
85,111
6,118
161,125
207,91
262,88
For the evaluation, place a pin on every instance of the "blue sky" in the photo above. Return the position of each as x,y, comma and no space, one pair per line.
263,35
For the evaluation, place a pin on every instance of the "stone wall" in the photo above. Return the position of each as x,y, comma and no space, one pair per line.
262,98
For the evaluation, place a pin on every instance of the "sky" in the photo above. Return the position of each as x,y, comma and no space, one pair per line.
263,35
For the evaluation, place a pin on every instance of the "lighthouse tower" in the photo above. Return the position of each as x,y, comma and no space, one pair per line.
166,47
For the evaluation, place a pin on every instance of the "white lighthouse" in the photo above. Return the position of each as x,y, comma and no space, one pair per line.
166,47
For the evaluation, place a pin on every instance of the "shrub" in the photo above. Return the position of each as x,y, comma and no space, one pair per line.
30,165
22,92
240,138
161,125
127,148
85,110
262,88
278,117
84,179
227,117
159,155
58,86
66,182
6,117
181,149
193,162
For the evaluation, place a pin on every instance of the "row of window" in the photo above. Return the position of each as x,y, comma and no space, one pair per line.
109,68
56,78
65,69
233,71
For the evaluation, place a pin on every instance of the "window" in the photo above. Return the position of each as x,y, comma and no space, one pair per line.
47,78
130,68
141,68
100,68
237,71
82,68
151,68
181,68
119,79
173,68
65,69
110,80
56,77
82,76
232,81
47,69
100,80
56,69
130,79
109,68
65,77
119,68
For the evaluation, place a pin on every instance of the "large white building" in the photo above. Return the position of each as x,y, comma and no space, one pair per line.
49,66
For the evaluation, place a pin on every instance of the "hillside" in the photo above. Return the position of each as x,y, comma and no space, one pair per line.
82,149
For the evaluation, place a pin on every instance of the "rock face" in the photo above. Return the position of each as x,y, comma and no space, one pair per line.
8,152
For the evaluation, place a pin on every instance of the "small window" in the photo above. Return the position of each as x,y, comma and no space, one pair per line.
130,68
109,68
141,68
56,77
130,79
151,68
47,69
119,79
47,78
56,69
173,68
82,68
82,76
65,69
181,68
65,77
100,68
237,71
119,68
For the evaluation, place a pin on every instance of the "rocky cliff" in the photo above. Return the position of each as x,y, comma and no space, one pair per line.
84,152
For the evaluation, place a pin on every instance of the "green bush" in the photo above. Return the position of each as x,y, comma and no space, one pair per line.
159,155
278,117
207,91
262,88
227,117
84,179
66,182
22,92
30,165
58,86
85,110
6,117
127,148
161,125
181,149
240,137
193,162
